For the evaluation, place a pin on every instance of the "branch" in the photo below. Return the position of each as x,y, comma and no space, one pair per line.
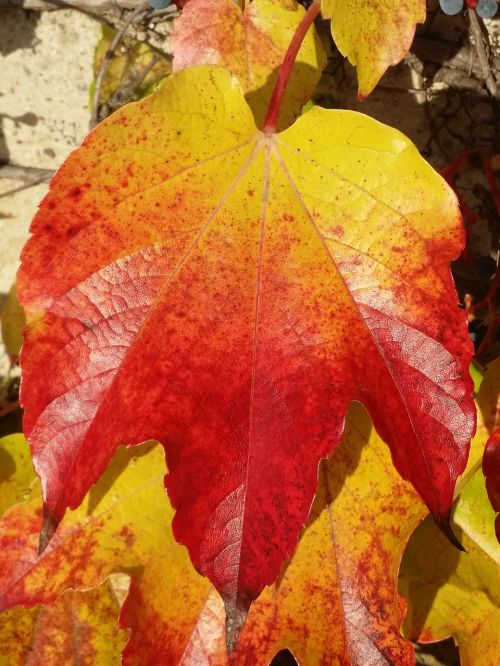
477,35
26,174
30,176
91,6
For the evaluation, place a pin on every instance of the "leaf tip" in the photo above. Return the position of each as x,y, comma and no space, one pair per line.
444,525
49,526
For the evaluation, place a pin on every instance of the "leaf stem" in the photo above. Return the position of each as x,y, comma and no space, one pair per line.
271,121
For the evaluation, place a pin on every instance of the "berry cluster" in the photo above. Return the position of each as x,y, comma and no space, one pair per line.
484,8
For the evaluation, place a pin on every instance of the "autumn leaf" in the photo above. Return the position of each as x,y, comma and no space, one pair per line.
77,628
336,601
373,34
16,471
453,593
228,292
251,45
12,322
123,526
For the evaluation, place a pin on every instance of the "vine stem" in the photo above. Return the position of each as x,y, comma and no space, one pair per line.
110,54
271,121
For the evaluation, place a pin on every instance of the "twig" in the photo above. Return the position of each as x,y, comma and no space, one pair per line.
142,75
92,6
31,176
20,188
28,174
117,98
477,35
107,59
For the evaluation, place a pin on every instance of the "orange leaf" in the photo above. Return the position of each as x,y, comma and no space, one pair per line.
229,292
336,601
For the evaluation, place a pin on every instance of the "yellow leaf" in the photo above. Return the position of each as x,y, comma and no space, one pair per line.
373,34
16,471
77,628
13,322
452,593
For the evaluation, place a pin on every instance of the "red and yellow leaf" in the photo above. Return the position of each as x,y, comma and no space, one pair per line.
77,628
123,526
336,601
251,45
228,292
373,34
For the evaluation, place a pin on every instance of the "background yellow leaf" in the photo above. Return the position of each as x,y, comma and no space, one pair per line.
77,628
13,321
123,526
373,34
16,471
452,593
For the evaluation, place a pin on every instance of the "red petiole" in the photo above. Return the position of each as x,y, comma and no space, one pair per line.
271,121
